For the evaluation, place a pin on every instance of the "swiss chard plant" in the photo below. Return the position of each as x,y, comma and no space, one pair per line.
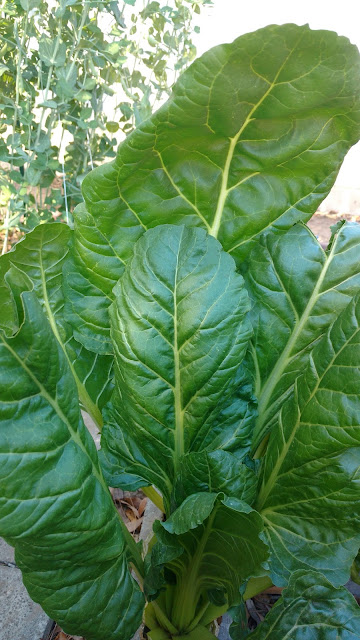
193,314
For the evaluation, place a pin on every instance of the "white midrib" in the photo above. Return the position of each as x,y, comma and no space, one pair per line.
83,394
179,414
265,394
214,229
267,487
75,436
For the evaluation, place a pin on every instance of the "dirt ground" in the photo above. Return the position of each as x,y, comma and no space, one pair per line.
320,224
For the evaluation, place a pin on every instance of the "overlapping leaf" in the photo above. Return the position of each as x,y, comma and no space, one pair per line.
309,495
38,261
214,472
212,544
297,291
311,608
55,508
179,333
252,138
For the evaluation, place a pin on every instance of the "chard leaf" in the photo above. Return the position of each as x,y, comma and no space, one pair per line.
219,544
55,508
355,570
297,291
252,138
232,427
37,263
179,333
309,493
214,471
310,607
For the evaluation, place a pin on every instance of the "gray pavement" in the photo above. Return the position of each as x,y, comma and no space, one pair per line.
20,617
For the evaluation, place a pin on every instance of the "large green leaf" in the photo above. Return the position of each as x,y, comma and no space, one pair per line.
251,138
297,290
309,493
311,608
214,472
212,544
39,260
55,508
179,333
355,569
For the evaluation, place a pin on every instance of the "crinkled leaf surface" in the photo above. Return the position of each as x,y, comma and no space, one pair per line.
297,291
311,608
219,544
55,508
309,495
39,259
355,569
214,472
179,332
252,137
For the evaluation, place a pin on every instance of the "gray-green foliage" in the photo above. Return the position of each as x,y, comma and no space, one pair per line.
235,395
60,65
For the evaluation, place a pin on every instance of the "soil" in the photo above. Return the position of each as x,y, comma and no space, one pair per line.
320,224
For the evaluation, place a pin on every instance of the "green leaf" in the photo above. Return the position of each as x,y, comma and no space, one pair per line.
309,492
42,145
50,104
83,96
40,258
52,52
179,334
88,314
32,176
112,126
3,69
252,138
55,508
219,547
311,608
65,87
191,513
28,5
214,471
297,291
355,570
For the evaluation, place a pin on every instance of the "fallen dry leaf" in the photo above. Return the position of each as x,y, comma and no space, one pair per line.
133,525
130,510
142,506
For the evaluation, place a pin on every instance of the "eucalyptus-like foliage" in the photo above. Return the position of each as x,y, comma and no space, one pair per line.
75,77
217,345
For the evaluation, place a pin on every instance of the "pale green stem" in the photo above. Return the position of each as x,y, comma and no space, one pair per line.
187,595
154,496
198,617
163,619
17,95
75,46
48,82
